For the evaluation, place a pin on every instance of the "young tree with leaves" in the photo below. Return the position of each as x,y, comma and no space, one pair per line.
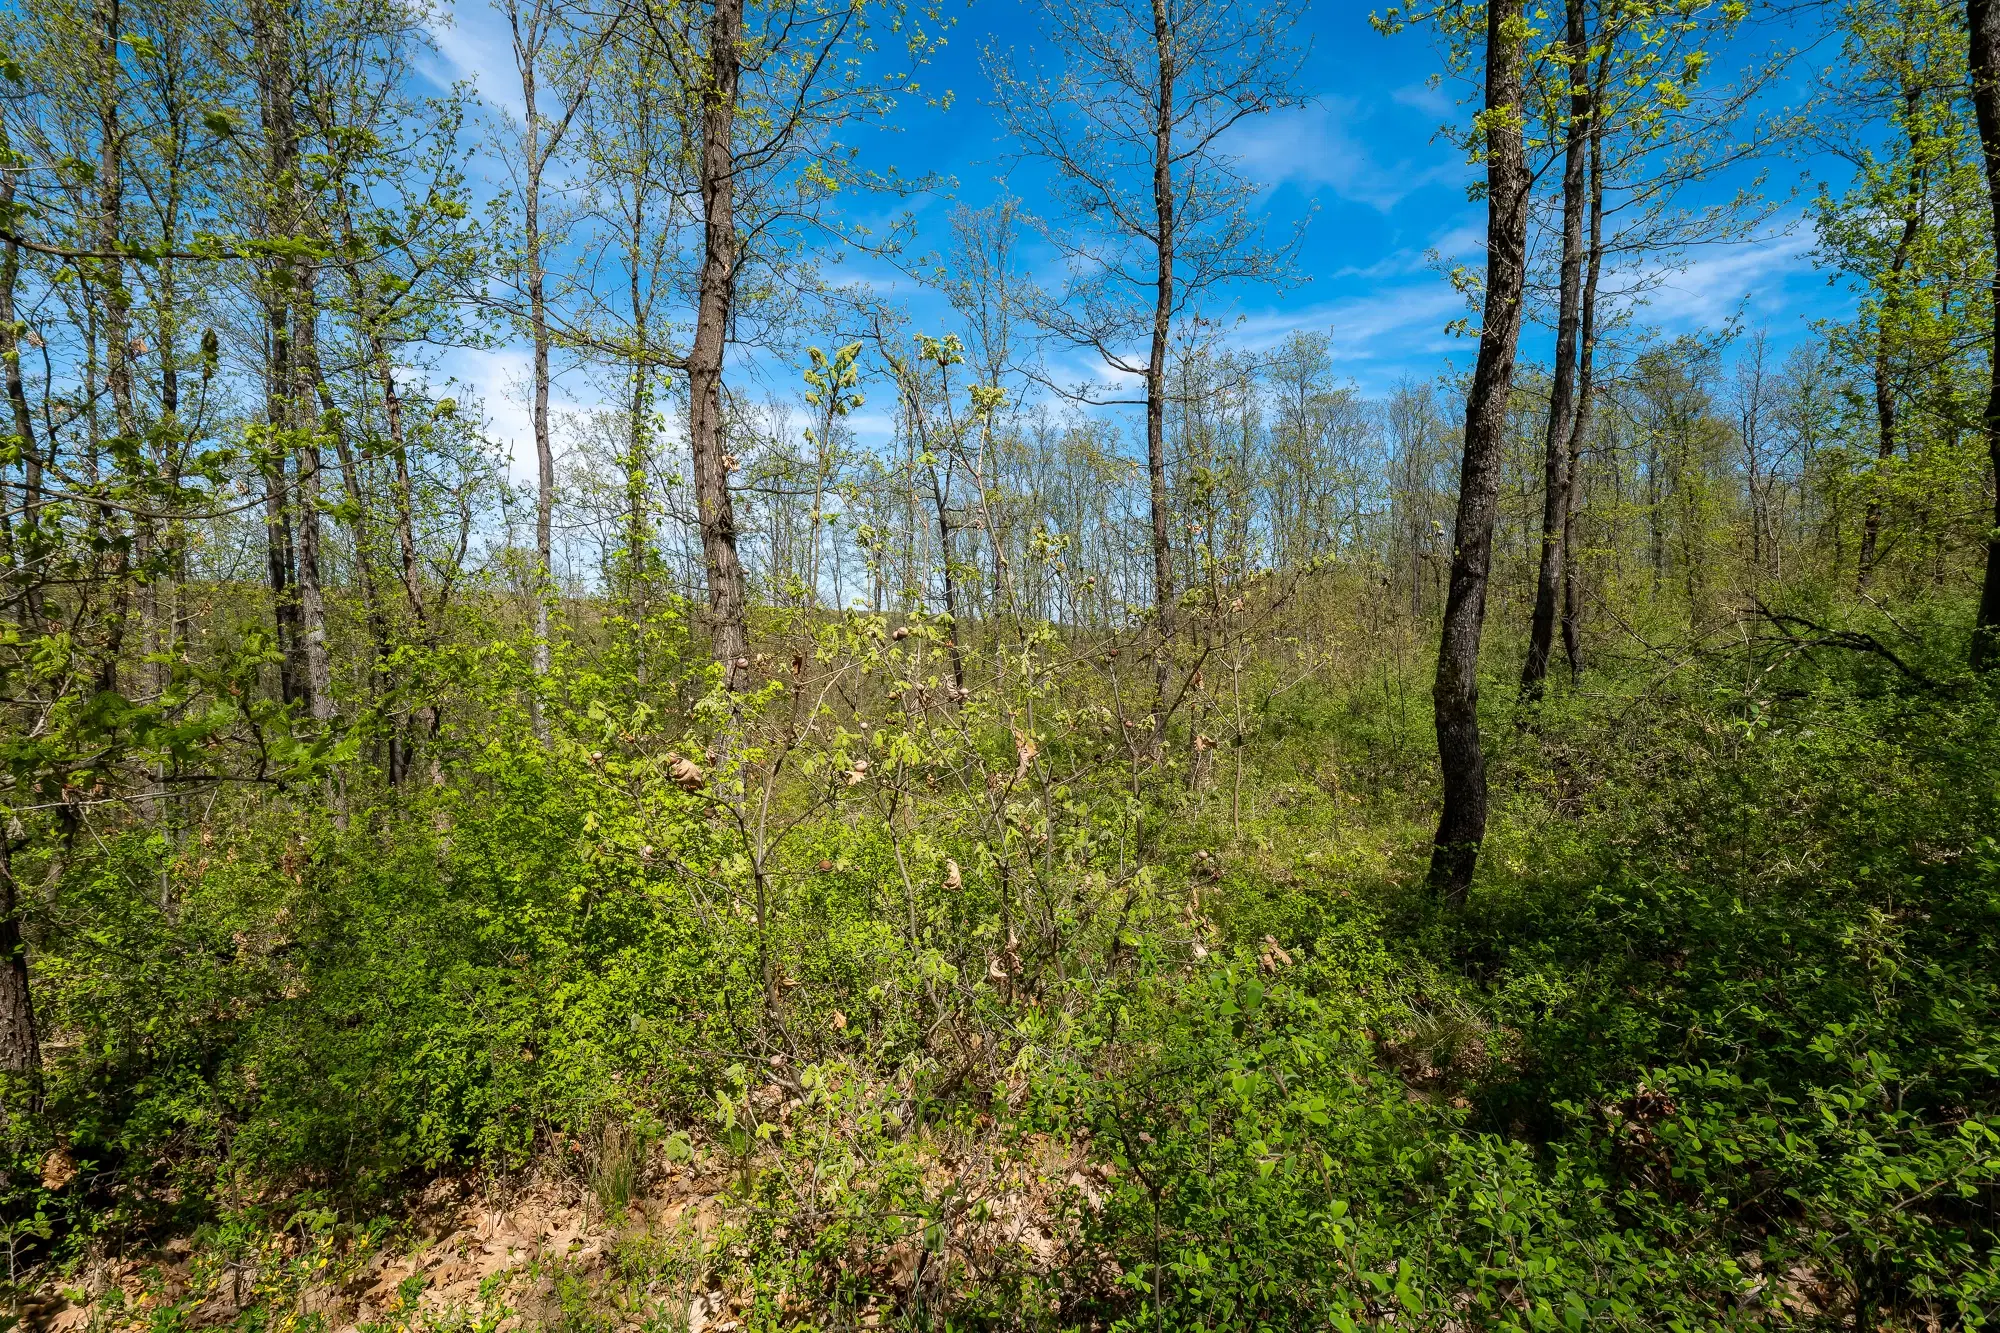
548,37
1573,97
1639,124
1131,119
1461,756
772,91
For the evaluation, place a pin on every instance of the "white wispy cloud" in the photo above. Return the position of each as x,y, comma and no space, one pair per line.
1320,146
1375,336
1424,96
500,379
1713,286
1460,241
471,44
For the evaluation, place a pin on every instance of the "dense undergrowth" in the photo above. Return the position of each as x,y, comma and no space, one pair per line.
1714,1043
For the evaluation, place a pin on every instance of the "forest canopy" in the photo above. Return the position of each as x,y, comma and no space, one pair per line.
629,702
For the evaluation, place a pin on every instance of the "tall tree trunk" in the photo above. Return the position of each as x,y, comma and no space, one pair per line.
406,541
1885,422
110,226
1572,608
1586,378
161,585
947,560
406,532
312,593
715,297
1753,475
1562,395
1985,64
274,93
538,327
535,152
28,544
1462,826
1656,499
1885,452
118,346
1156,362
368,315
359,528
278,547
428,716
637,528
531,31
1885,389
20,1047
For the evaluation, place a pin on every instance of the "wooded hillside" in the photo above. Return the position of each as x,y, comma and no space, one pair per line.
911,769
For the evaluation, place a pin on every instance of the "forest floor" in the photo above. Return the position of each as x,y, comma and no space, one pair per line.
545,1249
1713,1045
471,1252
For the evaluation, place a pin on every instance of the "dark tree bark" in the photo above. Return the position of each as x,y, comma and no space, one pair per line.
1586,377
1462,826
110,273
27,544
20,1047
1556,464
1985,63
947,564
1572,601
275,105
1156,359
279,563
715,297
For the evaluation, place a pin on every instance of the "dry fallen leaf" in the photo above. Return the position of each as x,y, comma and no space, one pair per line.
1025,751
57,1170
1274,955
685,772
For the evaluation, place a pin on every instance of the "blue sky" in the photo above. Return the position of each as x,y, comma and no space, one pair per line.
1383,191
